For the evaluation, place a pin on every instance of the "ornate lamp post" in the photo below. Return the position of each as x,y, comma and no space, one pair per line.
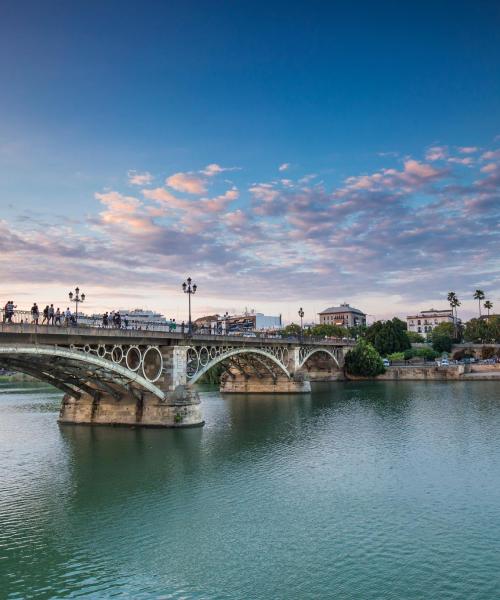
301,315
189,288
76,298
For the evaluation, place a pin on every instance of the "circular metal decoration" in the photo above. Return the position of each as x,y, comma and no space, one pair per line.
133,358
152,364
101,351
204,356
192,362
117,354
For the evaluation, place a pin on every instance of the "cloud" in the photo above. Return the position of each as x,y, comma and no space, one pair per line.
284,167
468,149
190,183
436,153
135,178
215,169
416,223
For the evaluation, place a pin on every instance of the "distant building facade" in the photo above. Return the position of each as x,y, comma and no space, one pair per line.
343,315
425,321
249,321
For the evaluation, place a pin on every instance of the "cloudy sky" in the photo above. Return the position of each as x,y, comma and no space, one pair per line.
283,154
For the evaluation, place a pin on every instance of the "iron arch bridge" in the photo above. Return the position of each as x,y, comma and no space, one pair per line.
272,360
263,361
92,369
306,352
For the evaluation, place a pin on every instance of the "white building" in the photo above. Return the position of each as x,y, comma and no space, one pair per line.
425,321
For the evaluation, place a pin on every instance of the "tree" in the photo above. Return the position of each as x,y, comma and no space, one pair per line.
479,295
488,305
327,330
441,343
415,338
454,303
364,360
476,330
388,337
291,330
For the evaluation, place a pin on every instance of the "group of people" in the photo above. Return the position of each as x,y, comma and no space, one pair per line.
114,319
52,316
8,311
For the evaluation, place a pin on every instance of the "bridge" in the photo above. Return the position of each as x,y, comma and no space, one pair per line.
147,378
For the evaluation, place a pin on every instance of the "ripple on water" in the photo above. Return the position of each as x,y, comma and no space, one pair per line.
387,490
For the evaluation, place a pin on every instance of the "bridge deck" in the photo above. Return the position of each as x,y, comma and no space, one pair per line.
50,334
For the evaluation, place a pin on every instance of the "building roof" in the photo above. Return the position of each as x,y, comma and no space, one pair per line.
432,312
343,308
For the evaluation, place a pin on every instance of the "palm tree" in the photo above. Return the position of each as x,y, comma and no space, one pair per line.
454,303
488,306
479,295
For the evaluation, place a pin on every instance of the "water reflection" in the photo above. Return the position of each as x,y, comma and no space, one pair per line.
303,496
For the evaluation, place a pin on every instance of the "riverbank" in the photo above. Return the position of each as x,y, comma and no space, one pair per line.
435,373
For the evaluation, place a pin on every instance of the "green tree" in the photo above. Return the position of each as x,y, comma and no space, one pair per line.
488,305
364,360
454,303
479,295
494,328
327,330
358,331
291,330
415,338
477,330
441,342
388,337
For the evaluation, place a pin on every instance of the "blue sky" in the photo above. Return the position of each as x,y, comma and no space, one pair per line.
93,93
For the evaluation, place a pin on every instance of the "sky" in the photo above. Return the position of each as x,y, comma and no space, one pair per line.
282,154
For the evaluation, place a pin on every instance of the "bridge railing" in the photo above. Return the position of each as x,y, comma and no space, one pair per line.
25,319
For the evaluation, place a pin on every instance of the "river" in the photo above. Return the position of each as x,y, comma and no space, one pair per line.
387,490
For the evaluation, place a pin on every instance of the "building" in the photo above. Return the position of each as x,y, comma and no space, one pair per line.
425,321
343,315
248,321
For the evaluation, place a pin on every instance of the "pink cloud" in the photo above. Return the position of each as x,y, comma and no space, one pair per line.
135,178
436,153
468,149
190,183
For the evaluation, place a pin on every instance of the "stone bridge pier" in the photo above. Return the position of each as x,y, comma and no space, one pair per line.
149,379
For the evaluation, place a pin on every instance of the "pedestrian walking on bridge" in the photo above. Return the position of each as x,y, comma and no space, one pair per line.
35,313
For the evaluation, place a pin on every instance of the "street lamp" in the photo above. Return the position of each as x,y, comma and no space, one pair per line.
76,298
189,288
301,315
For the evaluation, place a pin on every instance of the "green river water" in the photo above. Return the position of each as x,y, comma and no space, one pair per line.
360,490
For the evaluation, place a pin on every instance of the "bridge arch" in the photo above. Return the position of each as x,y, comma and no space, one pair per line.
75,371
307,353
265,358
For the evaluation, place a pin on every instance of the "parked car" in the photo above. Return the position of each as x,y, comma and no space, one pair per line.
445,362
387,362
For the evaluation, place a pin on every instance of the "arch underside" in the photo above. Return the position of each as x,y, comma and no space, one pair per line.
76,373
248,362
306,354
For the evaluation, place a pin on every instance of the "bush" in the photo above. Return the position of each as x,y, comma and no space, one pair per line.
415,338
364,360
427,353
410,353
441,343
326,330
396,356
